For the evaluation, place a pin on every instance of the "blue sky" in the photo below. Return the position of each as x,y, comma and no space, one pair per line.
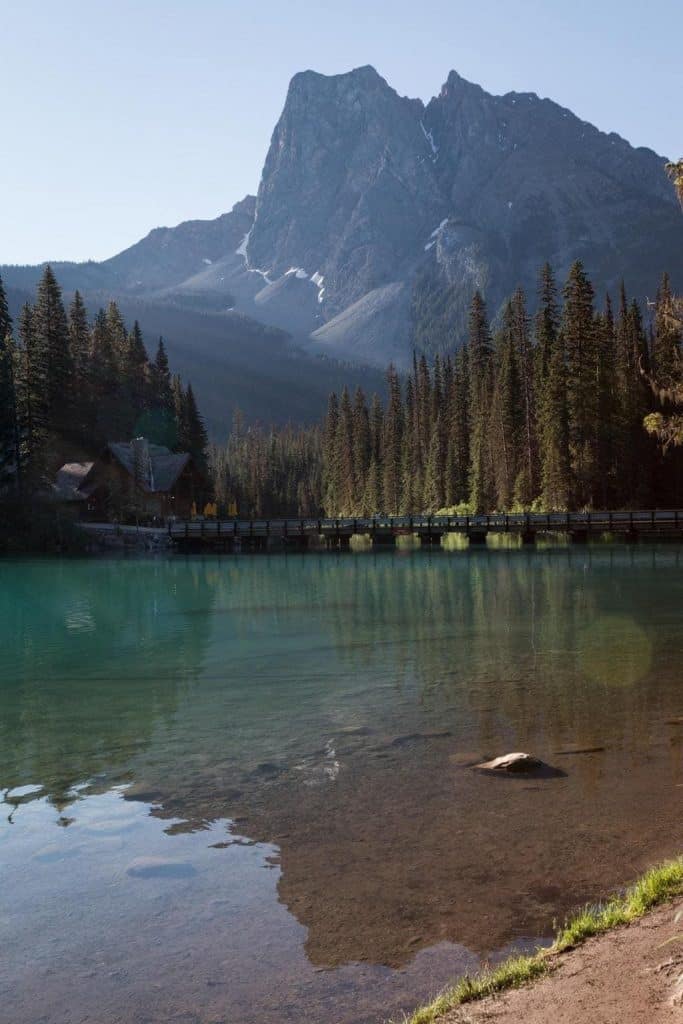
122,116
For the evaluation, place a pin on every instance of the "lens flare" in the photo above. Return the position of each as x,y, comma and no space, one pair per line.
615,651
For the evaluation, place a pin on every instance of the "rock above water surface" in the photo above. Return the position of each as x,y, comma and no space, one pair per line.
513,764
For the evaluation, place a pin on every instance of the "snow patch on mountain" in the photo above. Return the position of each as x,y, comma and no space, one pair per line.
430,139
241,250
317,279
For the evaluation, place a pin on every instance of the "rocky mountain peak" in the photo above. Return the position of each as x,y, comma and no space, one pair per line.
373,206
456,86
348,185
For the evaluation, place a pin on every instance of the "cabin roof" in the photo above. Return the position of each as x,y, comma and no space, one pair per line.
163,468
69,479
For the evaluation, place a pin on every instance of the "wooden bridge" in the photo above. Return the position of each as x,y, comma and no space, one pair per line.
383,531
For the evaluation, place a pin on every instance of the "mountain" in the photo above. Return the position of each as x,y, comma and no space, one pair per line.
375,210
384,197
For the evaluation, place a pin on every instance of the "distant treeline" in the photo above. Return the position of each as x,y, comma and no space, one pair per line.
67,387
547,413
269,472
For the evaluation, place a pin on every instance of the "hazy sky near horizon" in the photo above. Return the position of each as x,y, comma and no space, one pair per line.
120,117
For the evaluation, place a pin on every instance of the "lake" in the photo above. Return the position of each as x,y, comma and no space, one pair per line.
238,789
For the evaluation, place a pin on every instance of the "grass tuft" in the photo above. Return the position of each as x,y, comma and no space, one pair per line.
655,886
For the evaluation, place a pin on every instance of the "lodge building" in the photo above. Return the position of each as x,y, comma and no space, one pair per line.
134,479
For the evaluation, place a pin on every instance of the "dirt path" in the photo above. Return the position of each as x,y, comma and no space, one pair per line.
624,977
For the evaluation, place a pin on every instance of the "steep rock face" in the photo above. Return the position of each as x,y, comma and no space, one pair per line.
348,187
530,181
375,210
370,190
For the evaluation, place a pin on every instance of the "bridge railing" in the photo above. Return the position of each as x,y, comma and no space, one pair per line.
598,521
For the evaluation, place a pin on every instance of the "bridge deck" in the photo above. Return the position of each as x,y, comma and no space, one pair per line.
654,522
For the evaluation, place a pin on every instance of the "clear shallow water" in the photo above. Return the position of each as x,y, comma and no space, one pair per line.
235,789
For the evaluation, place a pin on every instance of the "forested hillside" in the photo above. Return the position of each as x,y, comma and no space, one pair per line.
68,386
546,414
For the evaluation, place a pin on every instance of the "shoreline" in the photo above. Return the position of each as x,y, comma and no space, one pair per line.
656,888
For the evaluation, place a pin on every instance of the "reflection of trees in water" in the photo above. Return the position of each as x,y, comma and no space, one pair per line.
92,660
486,642
242,660
505,631
218,682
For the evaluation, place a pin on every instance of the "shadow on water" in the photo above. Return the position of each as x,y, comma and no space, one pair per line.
319,717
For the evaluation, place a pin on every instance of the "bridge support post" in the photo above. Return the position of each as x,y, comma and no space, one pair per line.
296,542
338,541
578,536
477,538
528,537
432,540
384,539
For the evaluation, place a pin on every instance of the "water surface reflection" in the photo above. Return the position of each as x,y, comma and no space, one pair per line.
249,784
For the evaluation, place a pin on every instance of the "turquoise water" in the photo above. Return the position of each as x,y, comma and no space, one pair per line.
238,788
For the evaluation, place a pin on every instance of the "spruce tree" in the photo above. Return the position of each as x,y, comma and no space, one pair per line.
607,425
118,334
553,431
457,440
163,430
198,441
423,411
180,415
108,416
373,499
51,342
10,470
546,324
10,464
31,386
80,348
392,443
506,415
362,447
135,375
480,392
579,339
666,342
526,481
330,468
345,456
5,318
376,428
411,476
434,483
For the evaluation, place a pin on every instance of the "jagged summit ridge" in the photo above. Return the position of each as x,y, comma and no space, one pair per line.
369,200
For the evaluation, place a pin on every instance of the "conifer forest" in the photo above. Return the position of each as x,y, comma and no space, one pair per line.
68,386
545,412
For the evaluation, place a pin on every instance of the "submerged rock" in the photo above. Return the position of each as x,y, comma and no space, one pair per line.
466,758
160,867
518,763
570,752
414,737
